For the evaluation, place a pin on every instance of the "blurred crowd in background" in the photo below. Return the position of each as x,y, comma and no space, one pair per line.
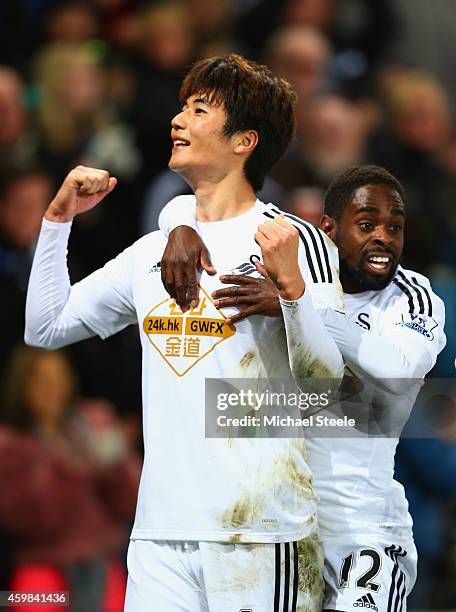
96,82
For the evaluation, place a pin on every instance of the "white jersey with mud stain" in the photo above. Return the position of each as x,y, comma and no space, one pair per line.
391,336
193,487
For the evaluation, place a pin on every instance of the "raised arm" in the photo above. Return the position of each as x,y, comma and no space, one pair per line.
53,307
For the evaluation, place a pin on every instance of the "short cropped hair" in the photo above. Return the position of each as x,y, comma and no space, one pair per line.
252,98
341,189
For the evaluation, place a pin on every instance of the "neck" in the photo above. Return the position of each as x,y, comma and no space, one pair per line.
348,284
230,197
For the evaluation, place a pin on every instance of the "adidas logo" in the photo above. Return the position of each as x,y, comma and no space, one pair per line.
156,267
366,601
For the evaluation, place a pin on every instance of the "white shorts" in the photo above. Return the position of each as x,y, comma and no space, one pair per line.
365,573
165,576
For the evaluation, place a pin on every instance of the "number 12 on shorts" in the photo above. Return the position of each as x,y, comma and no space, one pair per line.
365,580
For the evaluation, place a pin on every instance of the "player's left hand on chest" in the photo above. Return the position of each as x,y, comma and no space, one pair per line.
251,295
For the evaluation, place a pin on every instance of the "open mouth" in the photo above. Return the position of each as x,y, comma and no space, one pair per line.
379,263
179,143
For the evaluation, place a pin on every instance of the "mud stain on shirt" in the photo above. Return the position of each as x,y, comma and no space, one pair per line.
247,359
244,513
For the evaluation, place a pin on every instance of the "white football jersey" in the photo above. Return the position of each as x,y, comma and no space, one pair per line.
194,487
393,336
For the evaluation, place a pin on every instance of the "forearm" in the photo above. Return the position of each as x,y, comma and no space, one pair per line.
312,351
49,320
378,356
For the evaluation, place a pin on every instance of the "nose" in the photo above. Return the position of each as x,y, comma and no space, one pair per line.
382,235
178,121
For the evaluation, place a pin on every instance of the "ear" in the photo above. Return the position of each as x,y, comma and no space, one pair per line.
245,142
329,226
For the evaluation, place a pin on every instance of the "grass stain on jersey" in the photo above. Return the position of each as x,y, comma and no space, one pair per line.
310,580
292,482
247,359
310,367
298,481
245,512
237,537
307,366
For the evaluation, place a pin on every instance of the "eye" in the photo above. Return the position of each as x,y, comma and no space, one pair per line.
199,111
397,227
366,226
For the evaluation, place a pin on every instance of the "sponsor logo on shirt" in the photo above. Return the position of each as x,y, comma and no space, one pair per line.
248,267
420,323
183,339
366,601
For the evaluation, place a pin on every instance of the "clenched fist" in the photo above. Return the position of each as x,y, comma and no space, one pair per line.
279,243
82,189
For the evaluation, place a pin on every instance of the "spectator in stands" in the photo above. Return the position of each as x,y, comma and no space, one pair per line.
307,203
212,24
75,121
18,143
23,200
359,31
332,135
78,125
418,146
167,48
72,21
301,55
69,479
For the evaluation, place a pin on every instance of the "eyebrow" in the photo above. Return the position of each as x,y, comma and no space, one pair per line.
398,211
373,209
201,101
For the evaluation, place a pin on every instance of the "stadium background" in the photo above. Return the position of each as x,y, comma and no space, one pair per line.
96,82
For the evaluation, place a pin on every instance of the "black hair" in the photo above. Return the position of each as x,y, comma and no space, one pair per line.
253,98
341,189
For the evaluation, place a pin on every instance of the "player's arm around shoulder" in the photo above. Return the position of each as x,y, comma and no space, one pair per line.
178,212
185,252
